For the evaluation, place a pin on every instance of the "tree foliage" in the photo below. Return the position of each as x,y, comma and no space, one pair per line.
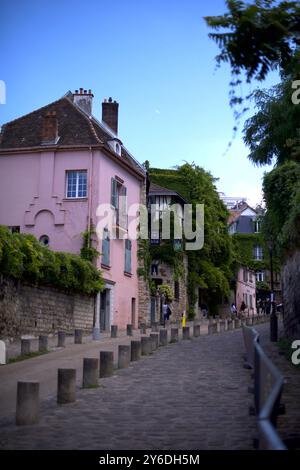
23,258
257,37
272,131
282,195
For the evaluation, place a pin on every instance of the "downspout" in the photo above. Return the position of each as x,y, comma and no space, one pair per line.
96,328
90,194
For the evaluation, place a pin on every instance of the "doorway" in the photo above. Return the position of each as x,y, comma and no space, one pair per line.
133,313
105,310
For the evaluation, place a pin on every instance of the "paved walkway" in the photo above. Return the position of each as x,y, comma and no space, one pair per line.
189,395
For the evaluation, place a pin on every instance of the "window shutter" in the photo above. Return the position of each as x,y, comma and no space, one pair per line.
114,193
123,207
127,256
106,248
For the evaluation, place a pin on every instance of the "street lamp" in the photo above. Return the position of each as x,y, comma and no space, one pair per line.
273,316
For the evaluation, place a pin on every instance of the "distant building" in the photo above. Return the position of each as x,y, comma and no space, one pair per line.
244,220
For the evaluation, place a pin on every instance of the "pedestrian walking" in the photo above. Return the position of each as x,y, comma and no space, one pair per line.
167,312
233,309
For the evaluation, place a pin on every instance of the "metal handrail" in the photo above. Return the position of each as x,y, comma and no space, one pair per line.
269,438
251,337
268,386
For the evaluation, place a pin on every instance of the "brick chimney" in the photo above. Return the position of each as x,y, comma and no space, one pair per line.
110,111
50,128
84,100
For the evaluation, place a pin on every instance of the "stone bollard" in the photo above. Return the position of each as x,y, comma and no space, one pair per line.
146,345
25,346
154,327
155,341
2,352
212,329
124,356
78,337
136,350
129,330
210,320
106,364
235,324
143,328
222,326
66,386
114,331
185,332
229,325
163,337
27,411
43,343
174,335
196,331
90,372
61,339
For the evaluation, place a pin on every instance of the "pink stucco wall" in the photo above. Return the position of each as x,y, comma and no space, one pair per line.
247,288
32,195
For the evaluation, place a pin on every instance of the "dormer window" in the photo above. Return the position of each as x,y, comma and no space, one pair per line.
118,148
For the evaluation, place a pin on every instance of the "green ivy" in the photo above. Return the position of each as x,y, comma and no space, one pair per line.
210,268
282,194
88,252
23,258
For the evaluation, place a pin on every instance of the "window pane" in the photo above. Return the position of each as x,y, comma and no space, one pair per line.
77,183
71,184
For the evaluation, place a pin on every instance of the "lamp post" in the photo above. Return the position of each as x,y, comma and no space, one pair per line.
273,316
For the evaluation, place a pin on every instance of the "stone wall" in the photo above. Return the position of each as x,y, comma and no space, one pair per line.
143,284
291,295
33,310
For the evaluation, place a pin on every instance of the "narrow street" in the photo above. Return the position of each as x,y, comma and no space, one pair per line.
189,395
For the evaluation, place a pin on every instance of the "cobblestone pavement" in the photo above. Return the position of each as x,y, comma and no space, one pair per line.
44,368
188,395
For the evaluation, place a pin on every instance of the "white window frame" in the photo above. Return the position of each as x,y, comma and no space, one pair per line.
77,184
260,276
257,224
258,253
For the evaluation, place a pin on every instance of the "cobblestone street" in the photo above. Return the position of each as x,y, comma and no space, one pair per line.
188,395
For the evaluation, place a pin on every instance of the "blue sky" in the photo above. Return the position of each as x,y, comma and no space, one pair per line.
153,56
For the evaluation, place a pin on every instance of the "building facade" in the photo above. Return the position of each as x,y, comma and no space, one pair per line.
59,169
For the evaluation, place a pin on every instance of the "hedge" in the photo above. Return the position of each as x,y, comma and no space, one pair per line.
24,259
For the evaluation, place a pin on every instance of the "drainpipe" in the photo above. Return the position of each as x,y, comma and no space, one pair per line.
90,194
96,328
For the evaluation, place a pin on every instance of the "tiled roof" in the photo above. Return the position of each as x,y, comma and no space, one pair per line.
75,128
156,190
236,212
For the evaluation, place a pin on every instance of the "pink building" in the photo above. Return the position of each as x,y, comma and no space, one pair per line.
246,290
57,165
